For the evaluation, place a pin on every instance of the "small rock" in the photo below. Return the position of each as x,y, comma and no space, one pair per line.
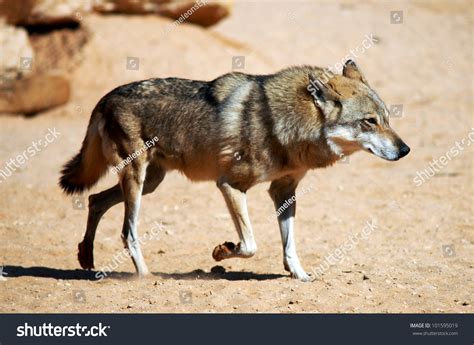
218,270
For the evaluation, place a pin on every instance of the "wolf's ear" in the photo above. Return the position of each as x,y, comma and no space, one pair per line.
325,98
351,70
320,91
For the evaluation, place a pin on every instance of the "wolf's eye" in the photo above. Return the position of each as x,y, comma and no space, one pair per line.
371,121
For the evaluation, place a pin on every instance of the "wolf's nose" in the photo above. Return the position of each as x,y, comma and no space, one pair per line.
404,150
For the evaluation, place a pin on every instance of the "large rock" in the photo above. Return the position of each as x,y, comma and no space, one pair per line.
24,88
16,53
58,11
50,12
43,12
60,49
201,12
16,11
205,13
32,94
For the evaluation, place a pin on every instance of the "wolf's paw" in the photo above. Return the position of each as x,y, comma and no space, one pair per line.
303,276
297,272
143,273
86,255
223,251
231,250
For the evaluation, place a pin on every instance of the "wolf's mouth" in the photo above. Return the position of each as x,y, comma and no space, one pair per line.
382,155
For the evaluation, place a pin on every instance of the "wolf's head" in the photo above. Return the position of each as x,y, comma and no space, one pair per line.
355,116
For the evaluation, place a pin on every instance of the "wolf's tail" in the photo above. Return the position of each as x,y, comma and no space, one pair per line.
89,165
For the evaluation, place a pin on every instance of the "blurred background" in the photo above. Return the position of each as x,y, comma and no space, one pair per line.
58,58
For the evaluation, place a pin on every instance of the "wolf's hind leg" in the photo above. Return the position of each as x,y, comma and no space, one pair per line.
280,191
98,204
237,204
101,202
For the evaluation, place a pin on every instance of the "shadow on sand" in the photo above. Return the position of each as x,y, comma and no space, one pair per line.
77,274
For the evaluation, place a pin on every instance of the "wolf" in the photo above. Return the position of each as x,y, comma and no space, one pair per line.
237,130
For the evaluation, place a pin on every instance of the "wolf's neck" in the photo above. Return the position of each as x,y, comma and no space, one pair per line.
314,154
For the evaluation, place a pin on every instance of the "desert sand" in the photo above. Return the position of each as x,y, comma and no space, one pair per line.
419,258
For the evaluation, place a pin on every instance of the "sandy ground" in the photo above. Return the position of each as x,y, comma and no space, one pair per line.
403,265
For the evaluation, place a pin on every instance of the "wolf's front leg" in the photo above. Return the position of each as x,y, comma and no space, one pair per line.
236,201
280,191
